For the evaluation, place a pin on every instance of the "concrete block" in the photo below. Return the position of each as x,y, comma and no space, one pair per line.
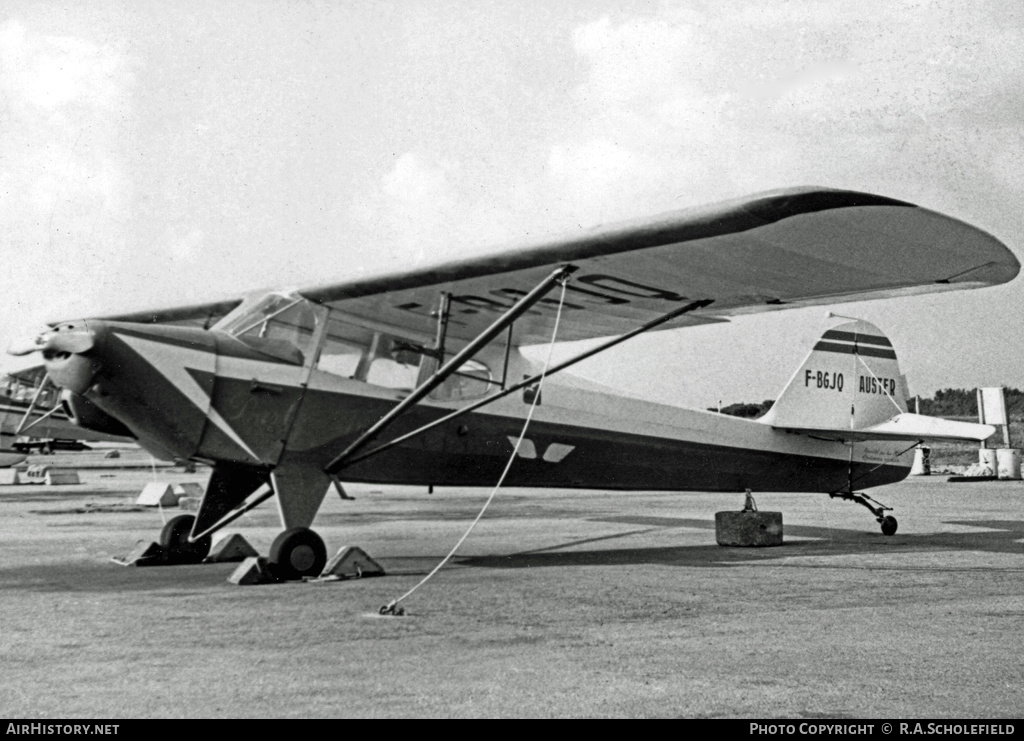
748,529
157,494
9,476
351,562
1008,464
230,547
60,478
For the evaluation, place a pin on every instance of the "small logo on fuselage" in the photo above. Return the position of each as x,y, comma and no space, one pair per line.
554,453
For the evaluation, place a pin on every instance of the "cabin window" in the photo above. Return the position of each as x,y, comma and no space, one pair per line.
393,365
26,391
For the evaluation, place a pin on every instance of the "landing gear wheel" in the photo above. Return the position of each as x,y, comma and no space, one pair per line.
174,539
297,553
889,525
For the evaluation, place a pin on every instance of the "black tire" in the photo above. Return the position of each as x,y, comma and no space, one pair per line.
889,525
296,553
174,539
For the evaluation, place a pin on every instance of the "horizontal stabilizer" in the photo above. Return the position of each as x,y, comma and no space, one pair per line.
906,426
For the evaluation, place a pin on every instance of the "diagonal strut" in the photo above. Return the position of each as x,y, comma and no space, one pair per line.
451,366
692,306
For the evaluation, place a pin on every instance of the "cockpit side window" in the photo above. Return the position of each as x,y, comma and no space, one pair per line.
371,355
344,349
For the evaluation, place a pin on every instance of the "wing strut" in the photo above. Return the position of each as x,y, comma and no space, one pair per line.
692,306
22,426
449,368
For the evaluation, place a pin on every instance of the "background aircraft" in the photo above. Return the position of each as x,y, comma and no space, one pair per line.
32,416
383,379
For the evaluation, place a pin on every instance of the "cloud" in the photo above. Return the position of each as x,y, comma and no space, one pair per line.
422,207
50,72
709,105
66,196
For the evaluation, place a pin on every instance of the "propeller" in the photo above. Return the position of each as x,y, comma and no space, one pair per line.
63,347
72,338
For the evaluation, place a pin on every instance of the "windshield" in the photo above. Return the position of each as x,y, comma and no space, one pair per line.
279,325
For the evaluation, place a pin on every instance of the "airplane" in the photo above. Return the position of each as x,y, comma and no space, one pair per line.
31,406
416,376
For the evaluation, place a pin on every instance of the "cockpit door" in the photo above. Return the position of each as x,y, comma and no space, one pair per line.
264,361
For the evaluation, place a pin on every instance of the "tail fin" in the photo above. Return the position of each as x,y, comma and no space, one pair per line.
850,387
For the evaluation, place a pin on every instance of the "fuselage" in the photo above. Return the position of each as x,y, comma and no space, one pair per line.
210,396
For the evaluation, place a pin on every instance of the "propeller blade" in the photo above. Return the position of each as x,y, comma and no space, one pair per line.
67,338
27,345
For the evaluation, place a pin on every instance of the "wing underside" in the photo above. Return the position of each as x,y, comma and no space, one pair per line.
776,250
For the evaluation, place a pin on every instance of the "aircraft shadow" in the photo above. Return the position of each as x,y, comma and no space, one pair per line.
823,541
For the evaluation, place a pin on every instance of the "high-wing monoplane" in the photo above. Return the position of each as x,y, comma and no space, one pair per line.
33,416
417,377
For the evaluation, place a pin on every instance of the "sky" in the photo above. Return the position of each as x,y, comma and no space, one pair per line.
155,154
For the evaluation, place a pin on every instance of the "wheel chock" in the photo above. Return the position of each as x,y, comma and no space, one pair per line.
351,562
157,494
253,570
189,489
750,528
230,547
142,554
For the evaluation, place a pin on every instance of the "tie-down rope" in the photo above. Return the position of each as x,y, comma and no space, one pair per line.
392,608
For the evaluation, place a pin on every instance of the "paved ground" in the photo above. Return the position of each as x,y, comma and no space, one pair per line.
560,604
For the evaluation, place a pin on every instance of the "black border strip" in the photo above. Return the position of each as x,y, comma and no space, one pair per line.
872,352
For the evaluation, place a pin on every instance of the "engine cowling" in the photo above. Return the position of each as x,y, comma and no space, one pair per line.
89,416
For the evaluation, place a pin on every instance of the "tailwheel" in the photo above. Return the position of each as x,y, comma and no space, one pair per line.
888,522
296,553
174,539
889,525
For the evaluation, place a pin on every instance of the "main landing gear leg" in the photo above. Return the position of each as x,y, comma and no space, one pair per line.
888,522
